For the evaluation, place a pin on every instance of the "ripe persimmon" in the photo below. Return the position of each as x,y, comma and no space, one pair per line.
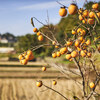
54,55
58,54
31,57
80,11
79,49
77,42
56,46
35,30
98,14
53,42
85,13
89,54
39,83
81,17
78,30
40,37
95,6
54,82
82,53
74,32
74,54
72,9
38,33
92,85
88,42
91,14
91,21
24,61
83,41
84,21
62,12
69,43
20,57
68,56
63,50
80,38
70,59
29,52
43,68
24,54
83,32
27,57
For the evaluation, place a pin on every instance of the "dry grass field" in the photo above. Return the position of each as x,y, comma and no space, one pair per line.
19,83
25,89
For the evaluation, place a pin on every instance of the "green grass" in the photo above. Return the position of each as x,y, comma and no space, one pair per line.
66,62
2,55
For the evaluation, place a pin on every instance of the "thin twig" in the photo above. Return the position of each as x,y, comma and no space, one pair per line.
38,21
96,83
94,67
55,91
68,76
61,4
46,37
37,47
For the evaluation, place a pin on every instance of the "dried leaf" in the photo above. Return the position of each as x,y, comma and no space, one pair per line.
32,22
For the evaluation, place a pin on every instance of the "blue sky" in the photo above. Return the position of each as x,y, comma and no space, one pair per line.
15,15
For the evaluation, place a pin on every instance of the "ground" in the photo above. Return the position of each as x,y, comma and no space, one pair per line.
18,82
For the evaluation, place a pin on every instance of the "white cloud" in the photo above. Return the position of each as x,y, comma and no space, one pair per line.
45,5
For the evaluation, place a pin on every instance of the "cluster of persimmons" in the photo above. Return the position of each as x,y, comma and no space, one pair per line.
25,57
72,48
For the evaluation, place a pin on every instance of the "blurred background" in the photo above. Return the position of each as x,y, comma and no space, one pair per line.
17,82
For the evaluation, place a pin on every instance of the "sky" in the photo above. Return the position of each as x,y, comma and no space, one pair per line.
15,15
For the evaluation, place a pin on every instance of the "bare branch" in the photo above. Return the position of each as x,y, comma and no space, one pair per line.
96,83
61,4
94,67
38,21
55,91
82,75
37,47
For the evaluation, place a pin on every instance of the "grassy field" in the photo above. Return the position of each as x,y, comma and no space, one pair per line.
18,82
25,89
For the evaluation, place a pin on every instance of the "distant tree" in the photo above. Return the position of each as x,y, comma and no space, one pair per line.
29,40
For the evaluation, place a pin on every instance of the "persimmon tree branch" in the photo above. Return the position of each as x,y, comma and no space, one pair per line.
55,91
96,83
94,67
82,75
47,26
61,4
65,74
32,22
39,46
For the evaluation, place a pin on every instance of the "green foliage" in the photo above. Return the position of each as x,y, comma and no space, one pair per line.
61,31
89,5
4,44
27,42
65,26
